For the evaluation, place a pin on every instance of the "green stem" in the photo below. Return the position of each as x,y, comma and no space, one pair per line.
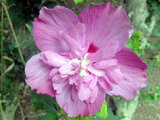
2,42
1,109
21,110
14,34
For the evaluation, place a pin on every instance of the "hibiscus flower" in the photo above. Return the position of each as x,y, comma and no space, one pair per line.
84,57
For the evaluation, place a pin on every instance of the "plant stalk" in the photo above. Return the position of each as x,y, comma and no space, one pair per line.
2,42
14,34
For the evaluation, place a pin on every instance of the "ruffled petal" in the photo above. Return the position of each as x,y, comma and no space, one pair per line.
47,26
115,75
58,86
95,71
69,68
107,29
76,48
37,76
75,79
68,100
105,84
53,59
94,94
84,92
93,82
134,73
105,64
75,39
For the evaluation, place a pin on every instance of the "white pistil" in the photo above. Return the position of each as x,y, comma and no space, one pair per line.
75,64
84,63
83,66
85,57
83,73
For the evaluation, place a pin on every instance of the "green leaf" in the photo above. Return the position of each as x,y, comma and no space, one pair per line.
49,116
80,118
4,1
111,116
149,98
16,14
157,61
45,102
29,28
134,43
159,45
157,93
156,31
43,1
78,1
154,5
62,112
103,111
11,66
150,65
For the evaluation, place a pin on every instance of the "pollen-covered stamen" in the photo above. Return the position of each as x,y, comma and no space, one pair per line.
83,73
83,66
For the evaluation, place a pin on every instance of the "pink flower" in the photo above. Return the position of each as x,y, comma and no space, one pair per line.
84,57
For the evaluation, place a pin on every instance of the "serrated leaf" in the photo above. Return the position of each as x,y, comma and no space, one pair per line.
78,1
103,111
49,116
134,43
